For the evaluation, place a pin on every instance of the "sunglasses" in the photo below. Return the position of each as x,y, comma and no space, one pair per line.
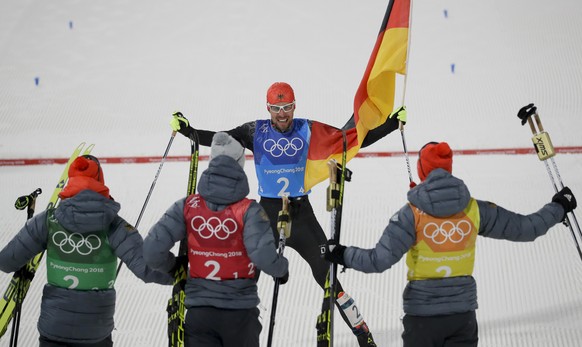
276,108
93,158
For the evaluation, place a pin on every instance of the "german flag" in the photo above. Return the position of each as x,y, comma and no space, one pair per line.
374,100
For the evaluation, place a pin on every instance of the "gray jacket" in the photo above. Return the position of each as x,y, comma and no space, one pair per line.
442,195
73,315
222,184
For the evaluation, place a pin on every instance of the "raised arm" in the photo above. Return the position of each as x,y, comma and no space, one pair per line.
243,133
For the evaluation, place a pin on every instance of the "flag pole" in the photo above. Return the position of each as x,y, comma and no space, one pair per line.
407,51
400,124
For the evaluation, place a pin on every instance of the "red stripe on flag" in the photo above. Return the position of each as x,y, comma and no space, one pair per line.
327,140
399,15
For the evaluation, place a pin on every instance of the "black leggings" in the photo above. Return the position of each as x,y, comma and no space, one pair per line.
207,326
454,330
306,236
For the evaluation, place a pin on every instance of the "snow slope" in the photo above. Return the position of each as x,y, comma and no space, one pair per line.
112,72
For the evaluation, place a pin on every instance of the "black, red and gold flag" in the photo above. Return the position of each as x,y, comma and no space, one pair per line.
374,99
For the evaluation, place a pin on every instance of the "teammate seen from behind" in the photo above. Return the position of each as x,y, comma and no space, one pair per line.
229,240
438,230
281,145
83,237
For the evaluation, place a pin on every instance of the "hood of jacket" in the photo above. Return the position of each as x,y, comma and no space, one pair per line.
87,211
224,182
440,195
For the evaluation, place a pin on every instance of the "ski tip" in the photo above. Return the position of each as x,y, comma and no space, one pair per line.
89,148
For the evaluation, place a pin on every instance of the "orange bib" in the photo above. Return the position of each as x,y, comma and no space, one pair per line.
444,247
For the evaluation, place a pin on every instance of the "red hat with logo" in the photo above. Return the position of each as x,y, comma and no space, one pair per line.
280,92
434,155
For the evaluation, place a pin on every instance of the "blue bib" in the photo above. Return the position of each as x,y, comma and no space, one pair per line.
280,158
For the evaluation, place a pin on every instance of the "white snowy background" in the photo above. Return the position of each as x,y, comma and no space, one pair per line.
112,72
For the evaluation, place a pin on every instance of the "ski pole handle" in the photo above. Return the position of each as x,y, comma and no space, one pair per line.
526,112
541,139
333,191
27,200
283,219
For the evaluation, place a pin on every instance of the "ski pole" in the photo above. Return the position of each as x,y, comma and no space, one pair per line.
335,200
28,202
284,227
152,187
156,178
545,150
176,308
401,127
333,203
400,123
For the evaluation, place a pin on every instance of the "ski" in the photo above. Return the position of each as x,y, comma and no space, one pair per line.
338,175
28,202
176,308
284,227
22,278
545,151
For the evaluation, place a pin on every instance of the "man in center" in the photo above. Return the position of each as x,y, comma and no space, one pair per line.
281,145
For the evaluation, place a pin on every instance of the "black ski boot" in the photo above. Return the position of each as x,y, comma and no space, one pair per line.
364,336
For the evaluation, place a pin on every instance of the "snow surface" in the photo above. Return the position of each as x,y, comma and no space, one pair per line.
112,72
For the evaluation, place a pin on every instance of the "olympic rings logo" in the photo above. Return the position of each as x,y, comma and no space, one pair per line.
76,242
222,229
447,231
283,146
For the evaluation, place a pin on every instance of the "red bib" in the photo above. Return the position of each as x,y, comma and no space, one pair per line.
216,250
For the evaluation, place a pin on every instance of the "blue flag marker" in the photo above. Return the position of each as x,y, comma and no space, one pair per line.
36,81
453,68
71,24
446,13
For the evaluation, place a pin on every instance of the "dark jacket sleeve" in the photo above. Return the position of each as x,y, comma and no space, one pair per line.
204,136
377,133
260,243
127,244
396,240
27,243
243,134
499,223
163,235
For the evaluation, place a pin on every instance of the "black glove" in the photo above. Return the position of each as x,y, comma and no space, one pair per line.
566,198
334,252
284,279
526,112
24,201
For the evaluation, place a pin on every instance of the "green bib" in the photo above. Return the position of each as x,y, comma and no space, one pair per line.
79,261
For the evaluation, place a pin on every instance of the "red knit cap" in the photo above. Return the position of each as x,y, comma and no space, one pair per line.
85,173
280,92
434,155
